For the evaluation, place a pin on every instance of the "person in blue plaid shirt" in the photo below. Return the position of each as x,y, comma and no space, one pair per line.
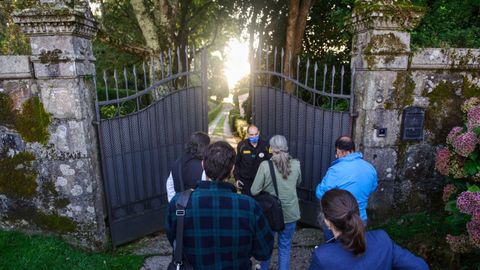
222,229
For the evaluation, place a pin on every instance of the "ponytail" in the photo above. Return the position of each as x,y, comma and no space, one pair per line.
341,209
353,238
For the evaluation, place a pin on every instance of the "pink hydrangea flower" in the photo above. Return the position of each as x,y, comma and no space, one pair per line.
473,118
441,163
470,103
468,202
464,144
448,191
453,134
459,244
473,229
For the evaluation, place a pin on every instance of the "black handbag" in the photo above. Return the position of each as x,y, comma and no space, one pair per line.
178,262
271,205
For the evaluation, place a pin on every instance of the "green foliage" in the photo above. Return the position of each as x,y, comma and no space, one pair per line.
20,251
213,113
459,163
424,234
328,37
12,40
33,121
17,177
237,123
448,23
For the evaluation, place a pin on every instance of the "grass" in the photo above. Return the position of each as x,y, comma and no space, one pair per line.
21,251
213,113
219,127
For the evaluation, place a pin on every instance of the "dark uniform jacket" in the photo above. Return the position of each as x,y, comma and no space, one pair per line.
248,160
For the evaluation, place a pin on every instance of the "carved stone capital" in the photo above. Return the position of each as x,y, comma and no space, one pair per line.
386,16
57,18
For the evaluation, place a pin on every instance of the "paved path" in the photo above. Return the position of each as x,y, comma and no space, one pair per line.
158,252
227,133
211,126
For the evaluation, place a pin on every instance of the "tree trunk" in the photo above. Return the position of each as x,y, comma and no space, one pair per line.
147,25
298,11
290,41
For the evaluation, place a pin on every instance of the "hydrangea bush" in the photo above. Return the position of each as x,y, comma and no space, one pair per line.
459,162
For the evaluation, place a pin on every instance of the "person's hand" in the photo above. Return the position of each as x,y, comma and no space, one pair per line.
239,184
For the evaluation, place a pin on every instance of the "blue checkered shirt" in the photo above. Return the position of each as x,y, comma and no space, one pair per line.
222,229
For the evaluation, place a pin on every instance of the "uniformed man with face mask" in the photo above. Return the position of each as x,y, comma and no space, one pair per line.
250,153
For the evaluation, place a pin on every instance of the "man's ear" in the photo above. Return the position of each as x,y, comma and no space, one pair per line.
202,165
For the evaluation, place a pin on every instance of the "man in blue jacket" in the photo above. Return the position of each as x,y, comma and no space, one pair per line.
349,172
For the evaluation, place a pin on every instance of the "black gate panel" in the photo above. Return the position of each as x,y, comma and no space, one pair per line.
141,134
138,151
310,111
310,132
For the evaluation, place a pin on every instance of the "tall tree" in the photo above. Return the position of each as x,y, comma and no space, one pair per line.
298,11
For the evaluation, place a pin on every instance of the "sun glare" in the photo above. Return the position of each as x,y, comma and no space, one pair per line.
236,65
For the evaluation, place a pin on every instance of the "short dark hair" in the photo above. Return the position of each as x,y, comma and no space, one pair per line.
218,160
196,144
341,209
345,143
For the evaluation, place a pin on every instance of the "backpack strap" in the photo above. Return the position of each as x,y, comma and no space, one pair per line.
274,178
181,204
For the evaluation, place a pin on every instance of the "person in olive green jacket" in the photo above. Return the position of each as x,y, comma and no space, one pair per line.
289,176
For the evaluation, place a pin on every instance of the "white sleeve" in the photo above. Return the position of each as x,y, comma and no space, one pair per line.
204,176
170,187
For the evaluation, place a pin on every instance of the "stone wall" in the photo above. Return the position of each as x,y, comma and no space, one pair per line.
389,78
49,162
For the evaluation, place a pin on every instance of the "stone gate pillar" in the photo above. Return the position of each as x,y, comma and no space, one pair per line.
380,53
60,35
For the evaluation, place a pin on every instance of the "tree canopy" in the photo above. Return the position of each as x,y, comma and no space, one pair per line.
132,30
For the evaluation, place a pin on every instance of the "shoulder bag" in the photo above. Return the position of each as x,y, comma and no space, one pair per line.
178,262
271,205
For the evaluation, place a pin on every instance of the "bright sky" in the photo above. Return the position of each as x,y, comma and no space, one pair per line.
236,63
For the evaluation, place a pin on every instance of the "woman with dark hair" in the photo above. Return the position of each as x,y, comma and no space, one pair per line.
288,176
187,169
352,247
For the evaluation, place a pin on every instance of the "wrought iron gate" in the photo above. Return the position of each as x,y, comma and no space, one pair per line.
141,133
310,117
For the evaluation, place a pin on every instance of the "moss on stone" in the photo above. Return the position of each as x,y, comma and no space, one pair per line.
32,123
50,222
17,177
55,222
469,89
404,13
403,89
49,191
50,56
444,111
385,44
61,203
7,115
